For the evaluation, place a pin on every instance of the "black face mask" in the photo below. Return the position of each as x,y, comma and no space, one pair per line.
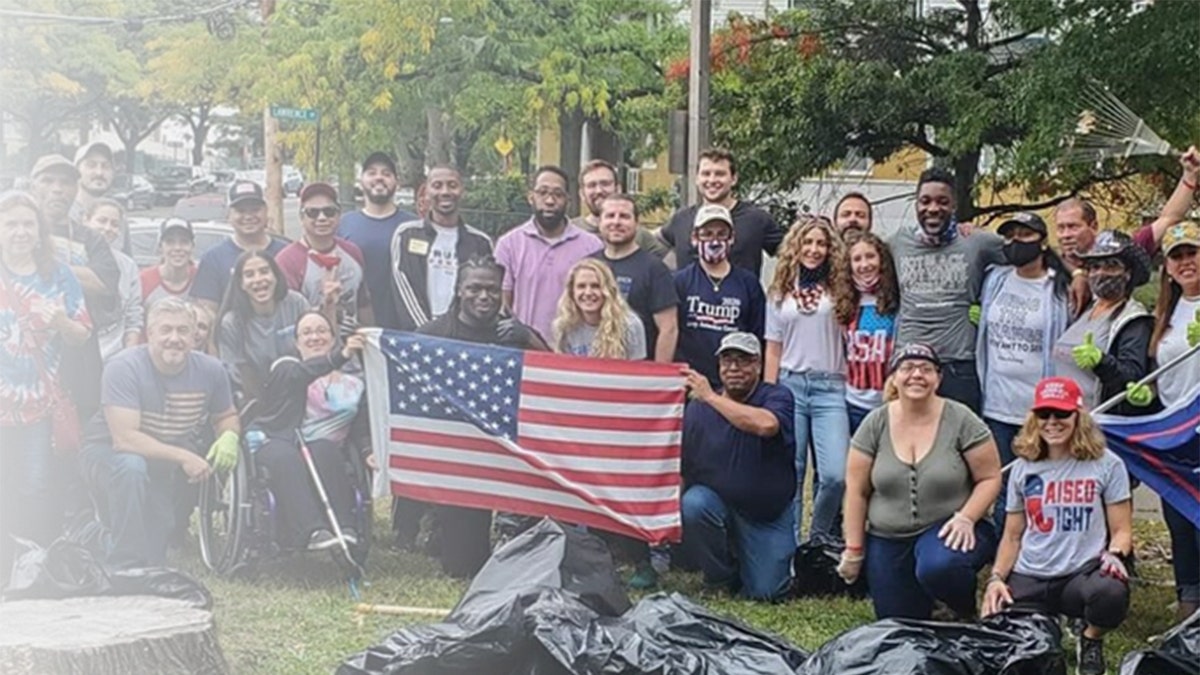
1021,253
1110,286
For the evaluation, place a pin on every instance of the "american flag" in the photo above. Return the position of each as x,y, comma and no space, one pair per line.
587,441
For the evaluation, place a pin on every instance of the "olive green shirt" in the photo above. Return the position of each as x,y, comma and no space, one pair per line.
907,499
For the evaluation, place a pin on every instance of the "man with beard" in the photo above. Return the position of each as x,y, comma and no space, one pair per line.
159,400
597,182
460,535
853,212
755,231
426,253
54,183
538,256
372,228
643,279
941,274
326,269
739,468
248,216
95,164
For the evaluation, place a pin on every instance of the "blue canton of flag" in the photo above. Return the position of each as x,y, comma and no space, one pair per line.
455,381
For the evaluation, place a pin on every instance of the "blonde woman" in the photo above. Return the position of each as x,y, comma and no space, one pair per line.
593,319
808,304
1069,526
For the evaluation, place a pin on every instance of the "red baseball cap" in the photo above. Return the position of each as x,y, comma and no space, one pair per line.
1058,393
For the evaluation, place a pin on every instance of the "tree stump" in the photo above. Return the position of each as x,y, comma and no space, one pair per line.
108,635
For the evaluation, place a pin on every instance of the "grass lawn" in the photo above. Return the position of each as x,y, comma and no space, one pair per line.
296,616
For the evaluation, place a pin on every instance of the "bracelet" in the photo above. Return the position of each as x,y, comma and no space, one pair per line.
1186,184
1078,272
995,577
854,549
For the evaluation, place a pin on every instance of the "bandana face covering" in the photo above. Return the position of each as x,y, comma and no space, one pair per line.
810,286
1109,286
714,251
943,238
867,284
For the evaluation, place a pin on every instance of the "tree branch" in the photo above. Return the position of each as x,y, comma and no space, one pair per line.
997,210
925,144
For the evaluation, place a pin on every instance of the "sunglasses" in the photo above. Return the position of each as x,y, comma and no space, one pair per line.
1047,413
315,212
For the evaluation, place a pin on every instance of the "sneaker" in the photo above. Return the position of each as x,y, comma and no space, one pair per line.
321,540
660,558
644,577
1089,656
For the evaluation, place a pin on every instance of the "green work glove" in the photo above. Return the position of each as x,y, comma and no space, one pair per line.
1139,395
1087,355
975,313
1193,331
223,455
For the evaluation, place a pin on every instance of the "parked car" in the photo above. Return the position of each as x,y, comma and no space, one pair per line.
171,183
133,192
143,238
293,181
197,208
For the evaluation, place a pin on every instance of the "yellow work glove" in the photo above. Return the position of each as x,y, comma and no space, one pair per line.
223,455
1087,355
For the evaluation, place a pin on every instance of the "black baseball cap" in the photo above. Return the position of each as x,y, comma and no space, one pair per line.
244,191
1025,219
379,157
173,224
915,351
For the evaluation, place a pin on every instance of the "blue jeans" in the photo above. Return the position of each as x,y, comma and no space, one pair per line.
821,417
960,382
763,549
906,575
137,498
856,416
1004,434
30,496
1185,553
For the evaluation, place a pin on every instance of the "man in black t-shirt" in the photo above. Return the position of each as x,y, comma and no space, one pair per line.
755,231
643,279
459,536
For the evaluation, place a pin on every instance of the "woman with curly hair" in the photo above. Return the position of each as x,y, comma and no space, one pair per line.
1069,523
807,305
593,319
874,293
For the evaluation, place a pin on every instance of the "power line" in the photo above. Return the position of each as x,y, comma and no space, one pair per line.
131,21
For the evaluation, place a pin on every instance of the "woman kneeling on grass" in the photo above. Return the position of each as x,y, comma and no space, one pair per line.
1067,496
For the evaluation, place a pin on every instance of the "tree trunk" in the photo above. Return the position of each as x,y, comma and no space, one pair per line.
437,145
201,123
966,170
604,143
570,145
108,635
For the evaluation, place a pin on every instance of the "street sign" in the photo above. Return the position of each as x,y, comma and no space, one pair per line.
503,146
295,114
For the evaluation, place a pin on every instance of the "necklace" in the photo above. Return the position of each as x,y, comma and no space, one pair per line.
716,282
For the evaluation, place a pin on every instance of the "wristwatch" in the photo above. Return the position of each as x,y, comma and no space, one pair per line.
1078,272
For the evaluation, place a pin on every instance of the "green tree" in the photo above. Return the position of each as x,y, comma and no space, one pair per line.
794,95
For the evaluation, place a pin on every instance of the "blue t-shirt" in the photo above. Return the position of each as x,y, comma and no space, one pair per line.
374,237
216,267
755,476
707,313
175,409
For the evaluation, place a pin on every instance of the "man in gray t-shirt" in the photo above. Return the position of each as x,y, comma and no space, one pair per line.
941,273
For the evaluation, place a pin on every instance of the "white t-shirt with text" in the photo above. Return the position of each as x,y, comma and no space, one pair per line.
442,269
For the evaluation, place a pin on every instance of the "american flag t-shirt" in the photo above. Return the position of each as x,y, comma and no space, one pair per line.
588,441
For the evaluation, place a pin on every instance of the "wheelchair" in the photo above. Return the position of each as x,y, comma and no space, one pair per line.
238,516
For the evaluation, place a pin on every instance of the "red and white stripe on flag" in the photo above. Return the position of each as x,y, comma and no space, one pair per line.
597,443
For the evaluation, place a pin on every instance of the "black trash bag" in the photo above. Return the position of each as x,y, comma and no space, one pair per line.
1004,644
1179,653
162,582
814,570
64,569
662,635
548,555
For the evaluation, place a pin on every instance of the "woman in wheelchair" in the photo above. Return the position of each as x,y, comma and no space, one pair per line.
1069,526
310,395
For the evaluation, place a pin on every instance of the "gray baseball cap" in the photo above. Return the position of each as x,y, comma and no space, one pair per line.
747,343
712,212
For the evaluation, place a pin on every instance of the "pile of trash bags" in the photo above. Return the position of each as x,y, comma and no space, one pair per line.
550,603
67,569
1177,654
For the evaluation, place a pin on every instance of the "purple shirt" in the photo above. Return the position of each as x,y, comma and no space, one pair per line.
536,269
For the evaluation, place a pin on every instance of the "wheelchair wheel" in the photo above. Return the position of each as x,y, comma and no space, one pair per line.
224,514
364,512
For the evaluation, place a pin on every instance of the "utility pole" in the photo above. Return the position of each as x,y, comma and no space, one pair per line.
273,162
697,111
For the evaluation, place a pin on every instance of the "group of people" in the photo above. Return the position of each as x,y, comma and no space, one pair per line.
913,367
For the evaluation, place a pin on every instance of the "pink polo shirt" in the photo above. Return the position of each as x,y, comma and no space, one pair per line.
536,269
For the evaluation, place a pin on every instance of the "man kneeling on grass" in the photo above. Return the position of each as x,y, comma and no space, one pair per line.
144,447
739,475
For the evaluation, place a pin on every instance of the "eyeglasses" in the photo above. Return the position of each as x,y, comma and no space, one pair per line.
908,367
320,330
544,193
1047,413
315,212
713,236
